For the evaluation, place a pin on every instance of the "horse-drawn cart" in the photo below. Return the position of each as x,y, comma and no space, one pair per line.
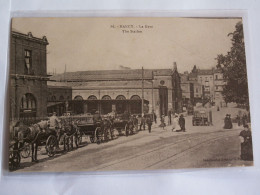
128,126
97,131
200,118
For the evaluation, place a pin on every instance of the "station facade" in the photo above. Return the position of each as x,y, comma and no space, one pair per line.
122,90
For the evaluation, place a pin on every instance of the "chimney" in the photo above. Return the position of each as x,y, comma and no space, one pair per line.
174,66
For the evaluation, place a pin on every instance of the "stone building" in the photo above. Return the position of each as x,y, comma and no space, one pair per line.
122,90
192,91
58,99
219,83
205,78
28,76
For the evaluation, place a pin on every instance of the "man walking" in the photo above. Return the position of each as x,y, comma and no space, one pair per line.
169,117
149,124
142,123
182,123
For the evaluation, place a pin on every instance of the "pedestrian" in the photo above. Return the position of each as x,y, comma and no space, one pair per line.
182,123
227,122
244,119
162,122
149,124
142,124
238,120
169,117
155,118
210,117
246,144
176,125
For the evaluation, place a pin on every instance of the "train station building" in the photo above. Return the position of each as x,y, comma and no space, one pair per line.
117,90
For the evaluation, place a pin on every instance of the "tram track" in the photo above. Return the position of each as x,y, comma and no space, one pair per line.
185,151
168,147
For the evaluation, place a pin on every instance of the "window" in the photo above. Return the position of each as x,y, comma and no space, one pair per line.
197,90
28,106
216,87
92,97
28,62
135,97
206,83
106,97
53,98
162,82
206,78
120,97
28,101
216,77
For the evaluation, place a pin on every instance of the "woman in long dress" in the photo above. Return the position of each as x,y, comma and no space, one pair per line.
176,125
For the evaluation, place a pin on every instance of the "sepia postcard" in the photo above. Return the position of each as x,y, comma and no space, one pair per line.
116,94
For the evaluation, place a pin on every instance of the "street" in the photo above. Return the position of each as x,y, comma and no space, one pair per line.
198,147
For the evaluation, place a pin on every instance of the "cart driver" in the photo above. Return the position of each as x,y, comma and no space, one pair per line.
55,125
97,117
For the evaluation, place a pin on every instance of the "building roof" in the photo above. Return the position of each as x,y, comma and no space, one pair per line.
111,75
217,70
205,71
101,84
30,37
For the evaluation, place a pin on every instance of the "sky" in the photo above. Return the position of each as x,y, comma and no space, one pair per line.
83,44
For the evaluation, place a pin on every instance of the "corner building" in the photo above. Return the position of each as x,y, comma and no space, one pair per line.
28,76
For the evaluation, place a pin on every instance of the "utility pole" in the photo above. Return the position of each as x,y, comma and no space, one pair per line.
152,97
142,91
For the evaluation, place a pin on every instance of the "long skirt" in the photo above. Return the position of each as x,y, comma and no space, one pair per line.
246,151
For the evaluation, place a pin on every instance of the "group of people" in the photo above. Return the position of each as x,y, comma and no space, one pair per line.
245,136
178,123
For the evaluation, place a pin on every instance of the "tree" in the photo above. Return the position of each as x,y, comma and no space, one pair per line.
233,66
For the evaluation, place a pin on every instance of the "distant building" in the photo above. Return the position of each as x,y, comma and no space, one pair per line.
187,88
28,76
205,78
219,83
192,91
207,83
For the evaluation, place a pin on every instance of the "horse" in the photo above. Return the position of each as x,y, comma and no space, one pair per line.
34,135
69,131
107,128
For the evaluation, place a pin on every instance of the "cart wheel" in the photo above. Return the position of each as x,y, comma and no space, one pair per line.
50,145
111,133
97,135
26,150
78,140
14,160
66,143
71,142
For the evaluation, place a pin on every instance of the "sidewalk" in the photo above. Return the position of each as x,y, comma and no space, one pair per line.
218,123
